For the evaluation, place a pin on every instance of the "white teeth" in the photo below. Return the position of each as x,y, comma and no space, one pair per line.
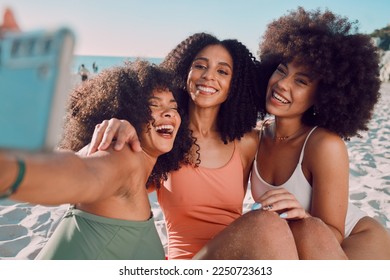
166,128
280,98
206,89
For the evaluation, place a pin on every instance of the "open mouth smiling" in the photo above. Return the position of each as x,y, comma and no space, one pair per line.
165,129
279,98
206,89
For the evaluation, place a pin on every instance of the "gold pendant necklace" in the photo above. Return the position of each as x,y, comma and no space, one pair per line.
287,137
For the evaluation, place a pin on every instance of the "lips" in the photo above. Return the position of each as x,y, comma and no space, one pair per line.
206,90
280,98
165,129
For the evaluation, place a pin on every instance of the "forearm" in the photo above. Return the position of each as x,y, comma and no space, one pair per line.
55,178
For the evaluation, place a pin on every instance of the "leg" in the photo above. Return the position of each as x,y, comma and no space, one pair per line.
255,235
315,241
369,240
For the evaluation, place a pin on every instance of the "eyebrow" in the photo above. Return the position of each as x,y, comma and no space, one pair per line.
207,60
159,99
310,77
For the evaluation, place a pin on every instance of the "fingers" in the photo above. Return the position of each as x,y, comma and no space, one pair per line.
108,131
282,202
97,137
288,208
294,214
127,134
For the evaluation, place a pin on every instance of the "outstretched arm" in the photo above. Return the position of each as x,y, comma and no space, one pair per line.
120,130
62,177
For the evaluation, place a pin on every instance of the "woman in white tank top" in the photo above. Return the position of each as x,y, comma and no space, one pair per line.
327,77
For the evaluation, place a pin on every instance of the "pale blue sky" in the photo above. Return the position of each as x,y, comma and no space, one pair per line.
152,28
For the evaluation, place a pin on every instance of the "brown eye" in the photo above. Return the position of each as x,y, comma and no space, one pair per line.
199,66
223,72
280,70
302,82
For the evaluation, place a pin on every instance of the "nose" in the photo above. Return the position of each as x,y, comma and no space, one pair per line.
283,83
168,113
208,74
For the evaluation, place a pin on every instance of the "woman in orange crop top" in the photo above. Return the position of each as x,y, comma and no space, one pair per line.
202,201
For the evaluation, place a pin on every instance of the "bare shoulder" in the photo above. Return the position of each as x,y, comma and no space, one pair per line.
248,146
322,136
324,143
249,141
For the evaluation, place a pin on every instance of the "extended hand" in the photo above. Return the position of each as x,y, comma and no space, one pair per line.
119,130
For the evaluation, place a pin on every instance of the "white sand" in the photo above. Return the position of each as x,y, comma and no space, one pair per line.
25,228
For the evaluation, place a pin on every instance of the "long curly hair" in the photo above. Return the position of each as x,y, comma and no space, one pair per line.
123,92
238,114
345,62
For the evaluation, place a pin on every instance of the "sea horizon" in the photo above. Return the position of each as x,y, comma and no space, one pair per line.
104,62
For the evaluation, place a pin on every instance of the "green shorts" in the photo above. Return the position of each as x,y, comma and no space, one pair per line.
81,235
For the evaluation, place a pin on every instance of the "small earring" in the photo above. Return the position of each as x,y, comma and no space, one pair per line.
314,111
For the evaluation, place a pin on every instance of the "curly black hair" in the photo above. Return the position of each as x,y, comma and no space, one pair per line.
123,92
238,113
345,62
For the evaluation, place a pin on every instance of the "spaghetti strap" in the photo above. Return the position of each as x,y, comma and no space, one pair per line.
304,144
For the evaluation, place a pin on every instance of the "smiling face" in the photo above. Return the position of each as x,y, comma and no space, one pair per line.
290,91
158,137
210,75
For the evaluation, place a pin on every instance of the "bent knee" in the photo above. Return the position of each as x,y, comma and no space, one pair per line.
311,227
267,224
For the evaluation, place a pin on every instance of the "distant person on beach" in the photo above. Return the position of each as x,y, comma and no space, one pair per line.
95,67
83,72
111,216
323,90
219,84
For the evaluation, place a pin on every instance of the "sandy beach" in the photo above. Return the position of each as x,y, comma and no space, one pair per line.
25,228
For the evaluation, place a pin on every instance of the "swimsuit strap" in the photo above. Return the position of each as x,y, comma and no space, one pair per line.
304,144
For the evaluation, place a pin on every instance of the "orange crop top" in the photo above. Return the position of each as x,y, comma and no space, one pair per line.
199,202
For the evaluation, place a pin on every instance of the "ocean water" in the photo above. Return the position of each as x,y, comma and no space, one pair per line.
104,62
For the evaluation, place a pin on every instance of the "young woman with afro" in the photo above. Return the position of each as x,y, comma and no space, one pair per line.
110,216
322,90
